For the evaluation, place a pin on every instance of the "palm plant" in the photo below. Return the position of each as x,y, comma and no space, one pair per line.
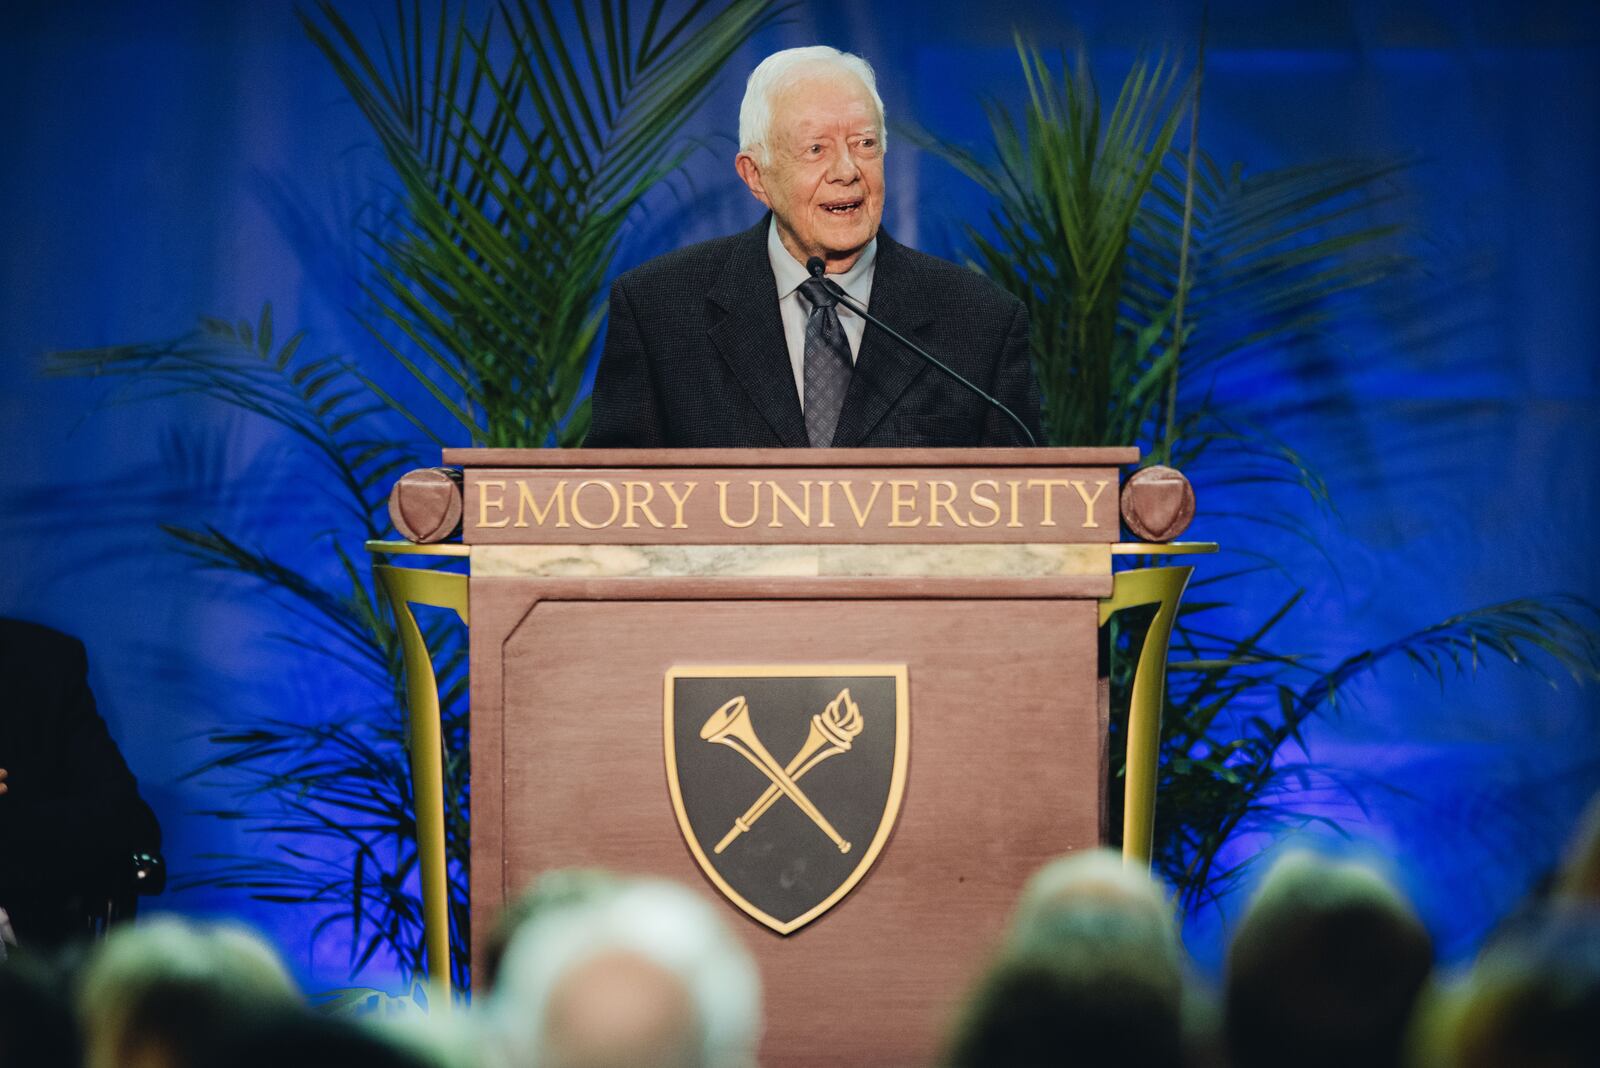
521,143
332,790
1069,188
521,146
1152,278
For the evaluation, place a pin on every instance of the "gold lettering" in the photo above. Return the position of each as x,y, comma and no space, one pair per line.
946,501
678,502
1088,501
1016,488
988,502
850,498
827,502
778,494
526,504
484,503
899,501
755,504
611,491
1049,499
637,504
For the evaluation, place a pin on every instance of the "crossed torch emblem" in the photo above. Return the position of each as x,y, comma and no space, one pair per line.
831,733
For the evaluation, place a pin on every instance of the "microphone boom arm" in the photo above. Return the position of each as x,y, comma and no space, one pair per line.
818,271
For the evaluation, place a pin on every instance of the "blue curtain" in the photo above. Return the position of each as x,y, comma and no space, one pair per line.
185,158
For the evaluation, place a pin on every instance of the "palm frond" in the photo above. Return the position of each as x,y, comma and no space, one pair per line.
519,161
320,400
1221,779
1068,184
521,141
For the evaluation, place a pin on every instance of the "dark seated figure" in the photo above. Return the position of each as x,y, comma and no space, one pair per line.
1325,969
1532,998
72,824
37,1027
1091,975
281,1037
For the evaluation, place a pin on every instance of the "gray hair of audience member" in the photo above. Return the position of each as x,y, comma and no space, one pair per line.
1091,908
1532,1000
1325,968
655,939
791,66
1090,973
154,992
558,888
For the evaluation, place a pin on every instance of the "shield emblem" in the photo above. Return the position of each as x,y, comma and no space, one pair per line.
787,780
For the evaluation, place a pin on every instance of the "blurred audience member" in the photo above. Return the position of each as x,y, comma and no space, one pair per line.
1324,969
296,1038
1093,905
1091,973
37,1028
641,974
71,819
160,993
1531,1001
555,889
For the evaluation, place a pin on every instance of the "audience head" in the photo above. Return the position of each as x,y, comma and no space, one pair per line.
296,1038
1094,907
1091,973
1324,969
157,993
640,974
1532,1000
556,889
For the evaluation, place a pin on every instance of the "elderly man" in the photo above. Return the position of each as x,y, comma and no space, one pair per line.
733,343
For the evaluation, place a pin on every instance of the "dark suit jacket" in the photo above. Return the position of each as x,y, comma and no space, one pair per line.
73,818
695,355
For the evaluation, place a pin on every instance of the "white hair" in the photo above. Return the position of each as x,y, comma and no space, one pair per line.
652,919
781,70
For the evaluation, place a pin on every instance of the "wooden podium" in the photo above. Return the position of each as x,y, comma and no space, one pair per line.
653,633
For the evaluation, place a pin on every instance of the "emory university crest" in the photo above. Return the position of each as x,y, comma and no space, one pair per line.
786,780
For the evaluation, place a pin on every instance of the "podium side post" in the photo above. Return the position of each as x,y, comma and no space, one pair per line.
438,589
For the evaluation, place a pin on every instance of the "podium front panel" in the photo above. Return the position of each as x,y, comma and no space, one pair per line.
1004,771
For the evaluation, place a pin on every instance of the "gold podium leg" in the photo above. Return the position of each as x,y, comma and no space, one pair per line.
439,589
1161,586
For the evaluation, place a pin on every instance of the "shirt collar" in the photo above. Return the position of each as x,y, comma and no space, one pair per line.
790,272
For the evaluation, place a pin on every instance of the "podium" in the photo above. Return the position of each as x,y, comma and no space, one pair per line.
855,696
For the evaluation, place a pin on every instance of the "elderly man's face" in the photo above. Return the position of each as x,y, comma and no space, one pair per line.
824,176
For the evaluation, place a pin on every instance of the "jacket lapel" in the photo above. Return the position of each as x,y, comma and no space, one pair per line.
885,369
750,336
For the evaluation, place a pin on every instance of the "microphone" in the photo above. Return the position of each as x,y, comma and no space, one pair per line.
819,270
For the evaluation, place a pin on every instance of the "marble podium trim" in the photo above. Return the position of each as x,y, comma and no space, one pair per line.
790,561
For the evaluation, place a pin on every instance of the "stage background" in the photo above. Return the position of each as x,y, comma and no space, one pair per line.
169,160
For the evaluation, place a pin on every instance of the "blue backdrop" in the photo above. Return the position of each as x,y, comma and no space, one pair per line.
183,158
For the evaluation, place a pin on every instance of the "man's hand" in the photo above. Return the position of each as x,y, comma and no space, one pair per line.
3,786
